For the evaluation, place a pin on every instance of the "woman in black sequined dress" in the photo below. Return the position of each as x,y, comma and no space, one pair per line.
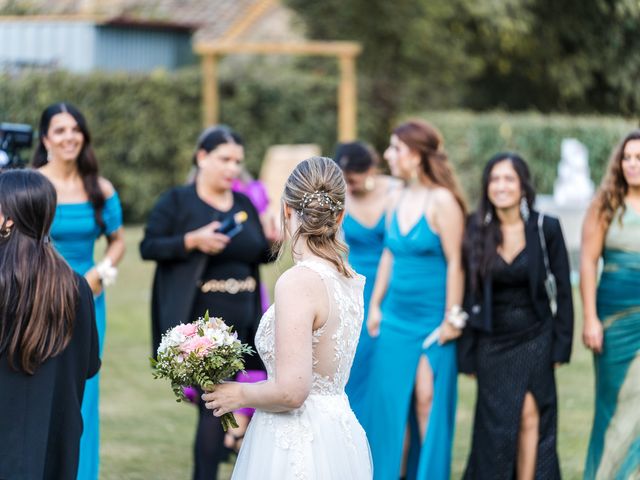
513,342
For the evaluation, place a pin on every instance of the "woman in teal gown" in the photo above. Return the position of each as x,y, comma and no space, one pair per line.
88,207
612,315
368,193
419,284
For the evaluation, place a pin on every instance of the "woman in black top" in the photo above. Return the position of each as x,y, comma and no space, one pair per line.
513,341
200,269
48,337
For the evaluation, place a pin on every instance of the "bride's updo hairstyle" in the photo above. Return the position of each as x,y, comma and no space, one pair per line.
315,191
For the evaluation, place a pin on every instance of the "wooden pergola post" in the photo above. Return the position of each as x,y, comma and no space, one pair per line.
210,96
347,100
345,52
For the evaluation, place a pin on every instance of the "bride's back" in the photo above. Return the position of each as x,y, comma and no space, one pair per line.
307,341
335,341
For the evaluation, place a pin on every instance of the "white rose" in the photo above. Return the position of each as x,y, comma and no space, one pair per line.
175,338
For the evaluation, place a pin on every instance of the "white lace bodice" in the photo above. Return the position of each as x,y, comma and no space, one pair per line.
334,344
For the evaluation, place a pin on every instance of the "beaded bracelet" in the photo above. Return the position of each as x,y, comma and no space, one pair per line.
457,317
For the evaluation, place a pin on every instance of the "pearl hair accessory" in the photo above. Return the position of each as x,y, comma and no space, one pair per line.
322,198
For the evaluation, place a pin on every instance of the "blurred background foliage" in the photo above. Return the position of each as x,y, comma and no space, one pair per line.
491,74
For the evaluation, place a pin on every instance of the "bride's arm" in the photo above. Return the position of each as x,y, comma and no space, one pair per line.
296,300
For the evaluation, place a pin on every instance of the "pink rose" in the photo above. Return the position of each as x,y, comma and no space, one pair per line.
199,345
187,330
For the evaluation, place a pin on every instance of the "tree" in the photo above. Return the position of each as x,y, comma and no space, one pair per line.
569,56
413,54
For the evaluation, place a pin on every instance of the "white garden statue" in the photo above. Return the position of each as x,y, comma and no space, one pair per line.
573,187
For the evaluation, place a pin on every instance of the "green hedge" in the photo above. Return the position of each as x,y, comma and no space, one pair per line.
145,126
472,138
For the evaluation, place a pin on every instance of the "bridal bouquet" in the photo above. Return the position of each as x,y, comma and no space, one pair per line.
202,353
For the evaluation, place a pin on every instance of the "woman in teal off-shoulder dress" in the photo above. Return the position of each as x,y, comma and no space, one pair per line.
612,315
88,207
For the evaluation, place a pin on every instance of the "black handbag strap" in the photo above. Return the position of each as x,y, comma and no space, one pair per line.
543,244
550,280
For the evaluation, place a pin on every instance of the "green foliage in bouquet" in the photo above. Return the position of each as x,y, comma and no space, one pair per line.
203,353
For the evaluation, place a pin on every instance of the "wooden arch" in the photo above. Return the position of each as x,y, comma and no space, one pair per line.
345,52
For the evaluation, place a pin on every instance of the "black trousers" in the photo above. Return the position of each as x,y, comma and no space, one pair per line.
208,450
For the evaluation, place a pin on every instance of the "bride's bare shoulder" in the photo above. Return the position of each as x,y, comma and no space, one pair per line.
298,280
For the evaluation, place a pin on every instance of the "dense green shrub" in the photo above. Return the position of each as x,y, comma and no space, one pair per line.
472,138
145,126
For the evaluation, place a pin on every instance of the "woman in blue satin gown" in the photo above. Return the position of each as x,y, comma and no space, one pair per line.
368,193
611,311
88,207
418,286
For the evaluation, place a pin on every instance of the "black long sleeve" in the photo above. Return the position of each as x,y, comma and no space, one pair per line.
559,263
162,242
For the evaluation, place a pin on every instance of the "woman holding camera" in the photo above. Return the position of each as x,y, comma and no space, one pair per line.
88,208
205,264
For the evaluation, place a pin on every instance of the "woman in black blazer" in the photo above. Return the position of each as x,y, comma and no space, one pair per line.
513,340
200,269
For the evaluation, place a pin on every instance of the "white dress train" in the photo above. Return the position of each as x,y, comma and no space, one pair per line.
321,440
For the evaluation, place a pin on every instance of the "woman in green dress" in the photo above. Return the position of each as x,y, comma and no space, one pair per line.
612,314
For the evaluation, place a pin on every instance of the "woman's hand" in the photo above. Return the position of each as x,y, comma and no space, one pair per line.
448,332
373,320
592,335
93,279
225,398
206,239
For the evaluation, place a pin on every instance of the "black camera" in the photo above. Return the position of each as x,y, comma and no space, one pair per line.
13,137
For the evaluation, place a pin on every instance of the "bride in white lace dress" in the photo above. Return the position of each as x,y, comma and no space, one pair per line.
303,427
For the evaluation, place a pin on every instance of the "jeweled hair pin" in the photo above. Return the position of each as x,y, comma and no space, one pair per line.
323,199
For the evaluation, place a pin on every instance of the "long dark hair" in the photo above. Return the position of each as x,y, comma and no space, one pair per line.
484,236
38,289
614,187
87,163
426,140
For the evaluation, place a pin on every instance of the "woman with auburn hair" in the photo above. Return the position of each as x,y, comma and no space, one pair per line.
418,289
303,426
48,337
88,208
611,310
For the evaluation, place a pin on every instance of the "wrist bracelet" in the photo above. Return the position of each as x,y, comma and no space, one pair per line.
107,272
457,317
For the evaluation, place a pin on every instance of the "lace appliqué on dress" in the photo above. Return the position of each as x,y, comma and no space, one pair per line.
292,430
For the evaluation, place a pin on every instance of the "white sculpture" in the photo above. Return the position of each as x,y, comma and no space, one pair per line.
573,187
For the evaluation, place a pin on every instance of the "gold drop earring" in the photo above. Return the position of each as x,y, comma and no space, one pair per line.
369,183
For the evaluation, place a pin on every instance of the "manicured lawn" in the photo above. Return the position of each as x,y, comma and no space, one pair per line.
147,435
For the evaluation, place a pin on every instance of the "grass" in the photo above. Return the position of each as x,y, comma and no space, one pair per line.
146,434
